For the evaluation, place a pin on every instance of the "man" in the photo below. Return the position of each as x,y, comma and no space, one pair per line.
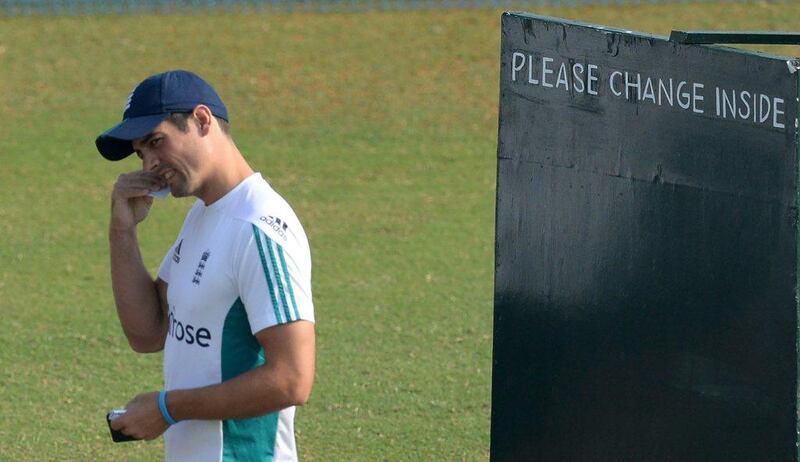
231,306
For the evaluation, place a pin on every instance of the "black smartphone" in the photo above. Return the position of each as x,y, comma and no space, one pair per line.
116,435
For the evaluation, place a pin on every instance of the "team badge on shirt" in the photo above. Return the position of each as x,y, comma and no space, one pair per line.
198,273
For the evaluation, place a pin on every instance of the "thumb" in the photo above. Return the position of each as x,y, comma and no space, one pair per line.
118,423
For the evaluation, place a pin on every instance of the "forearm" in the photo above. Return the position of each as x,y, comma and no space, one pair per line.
138,306
285,380
260,391
251,394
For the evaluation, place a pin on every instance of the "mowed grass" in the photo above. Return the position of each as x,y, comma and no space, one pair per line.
380,129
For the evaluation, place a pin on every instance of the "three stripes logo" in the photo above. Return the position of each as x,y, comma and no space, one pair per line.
278,278
276,224
176,255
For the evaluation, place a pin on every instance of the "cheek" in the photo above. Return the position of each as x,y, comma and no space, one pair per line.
167,154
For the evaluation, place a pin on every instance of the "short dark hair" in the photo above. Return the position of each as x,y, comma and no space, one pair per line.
180,120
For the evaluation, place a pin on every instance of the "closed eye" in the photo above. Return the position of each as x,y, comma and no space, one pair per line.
155,142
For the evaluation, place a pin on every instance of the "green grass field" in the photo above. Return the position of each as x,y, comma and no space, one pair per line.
380,128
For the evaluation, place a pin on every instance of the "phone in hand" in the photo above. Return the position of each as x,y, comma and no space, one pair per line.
116,435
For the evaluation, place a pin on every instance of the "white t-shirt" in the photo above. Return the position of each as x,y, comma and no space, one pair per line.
238,266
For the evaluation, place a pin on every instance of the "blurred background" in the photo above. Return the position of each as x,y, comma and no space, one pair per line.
377,120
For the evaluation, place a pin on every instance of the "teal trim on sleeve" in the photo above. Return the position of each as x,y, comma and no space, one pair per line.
257,235
244,440
278,278
288,281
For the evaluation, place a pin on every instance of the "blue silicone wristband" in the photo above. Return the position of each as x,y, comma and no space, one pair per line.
162,406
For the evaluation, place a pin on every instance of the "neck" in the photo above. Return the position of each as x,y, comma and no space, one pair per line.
228,171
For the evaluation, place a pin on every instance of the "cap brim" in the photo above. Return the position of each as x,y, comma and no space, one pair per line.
115,143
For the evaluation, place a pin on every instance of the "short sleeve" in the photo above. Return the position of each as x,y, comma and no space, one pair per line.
274,280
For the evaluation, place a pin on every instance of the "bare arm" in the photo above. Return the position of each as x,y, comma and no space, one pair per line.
285,380
141,301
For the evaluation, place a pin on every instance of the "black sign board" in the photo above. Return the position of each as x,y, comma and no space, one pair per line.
646,256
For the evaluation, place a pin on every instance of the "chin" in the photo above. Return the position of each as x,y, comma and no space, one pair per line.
177,190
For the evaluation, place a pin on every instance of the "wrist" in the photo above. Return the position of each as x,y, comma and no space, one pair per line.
121,229
162,406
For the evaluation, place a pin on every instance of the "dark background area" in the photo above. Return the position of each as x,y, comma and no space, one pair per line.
645,261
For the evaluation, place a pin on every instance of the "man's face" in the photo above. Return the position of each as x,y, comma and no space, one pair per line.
173,156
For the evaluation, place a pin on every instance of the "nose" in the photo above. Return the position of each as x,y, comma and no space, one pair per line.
149,162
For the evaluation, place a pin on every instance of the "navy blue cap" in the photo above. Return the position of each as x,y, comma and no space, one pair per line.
151,102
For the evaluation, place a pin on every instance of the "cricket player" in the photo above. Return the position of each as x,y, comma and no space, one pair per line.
231,305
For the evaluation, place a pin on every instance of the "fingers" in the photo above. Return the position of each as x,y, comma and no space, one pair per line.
117,423
142,419
122,425
137,184
130,203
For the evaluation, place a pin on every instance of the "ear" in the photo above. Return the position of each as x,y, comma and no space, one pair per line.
204,117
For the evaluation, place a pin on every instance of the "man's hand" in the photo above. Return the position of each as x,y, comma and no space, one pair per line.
130,201
142,419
